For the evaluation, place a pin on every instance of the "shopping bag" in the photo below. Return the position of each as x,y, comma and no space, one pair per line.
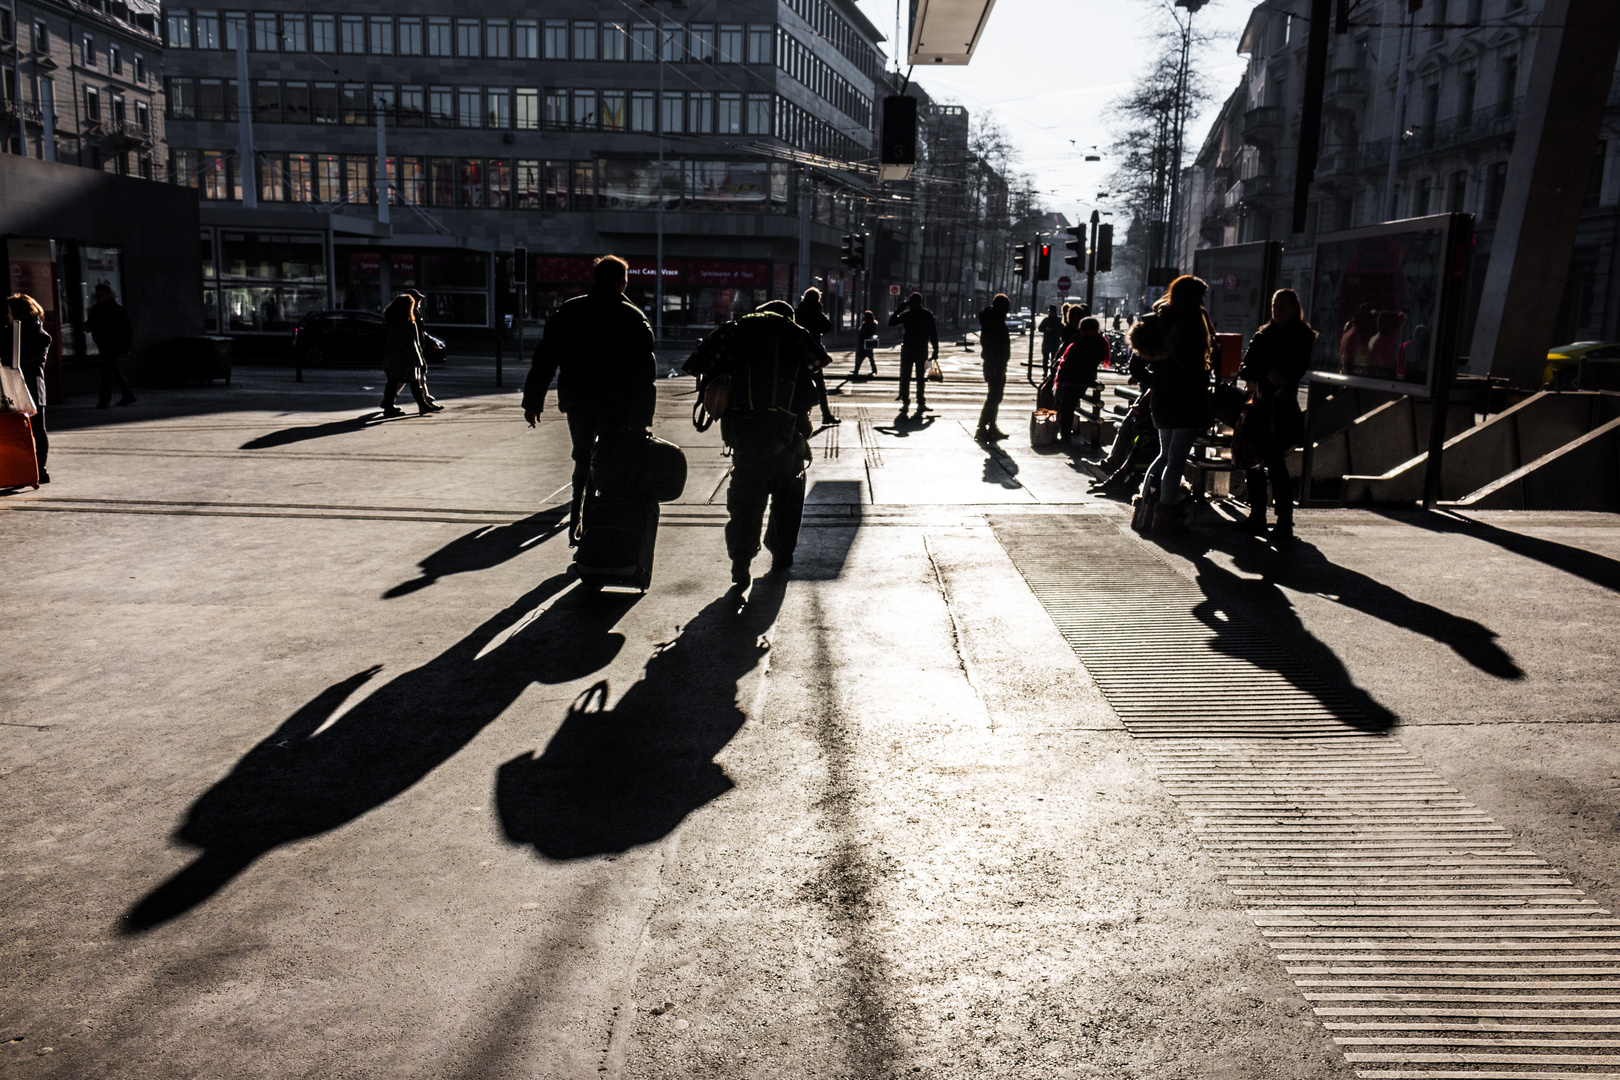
934,374
14,395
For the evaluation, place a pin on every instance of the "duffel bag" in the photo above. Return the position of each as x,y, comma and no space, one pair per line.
638,466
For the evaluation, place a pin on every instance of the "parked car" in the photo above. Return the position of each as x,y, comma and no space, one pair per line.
1563,371
1016,324
339,339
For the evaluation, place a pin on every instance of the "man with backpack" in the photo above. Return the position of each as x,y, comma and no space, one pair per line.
600,347
758,376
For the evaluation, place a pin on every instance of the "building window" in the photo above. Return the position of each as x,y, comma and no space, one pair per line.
472,182
1424,197
441,107
700,42
410,37
411,186
322,34
584,185
556,39
210,99
670,118
584,118
357,171
1495,187
526,185
466,37
498,174
236,29
139,62
613,110
731,44
213,175
467,115
643,42
411,111
498,39
383,103
1459,193
759,114
354,104
382,36
323,103
554,195
669,42
701,114
442,181
87,51
207,30
439,41
526,40
1509,85
178,36
584,41
352,38
527,112
759,45
295,102
294,33
498,109
143,117
182,99
728,116
642,115
265,38
92,103
556,114
615,41
267,102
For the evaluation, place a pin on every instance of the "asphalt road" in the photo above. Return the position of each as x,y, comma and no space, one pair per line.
317,764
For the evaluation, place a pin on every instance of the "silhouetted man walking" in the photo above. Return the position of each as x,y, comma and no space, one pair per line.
919,346
600,348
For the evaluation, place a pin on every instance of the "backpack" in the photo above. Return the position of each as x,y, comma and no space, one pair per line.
760,377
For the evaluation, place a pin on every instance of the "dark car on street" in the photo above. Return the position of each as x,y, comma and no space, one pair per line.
339,339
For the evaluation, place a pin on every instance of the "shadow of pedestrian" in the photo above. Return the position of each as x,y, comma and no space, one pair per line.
305,432
611,779
905,424
999,468
1600,570
484,549
315,774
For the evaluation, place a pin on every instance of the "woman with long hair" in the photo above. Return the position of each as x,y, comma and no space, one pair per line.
1278,356
36,349
1172,346
402,357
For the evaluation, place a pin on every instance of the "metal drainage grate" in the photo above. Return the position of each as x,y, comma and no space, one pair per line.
1169,662
1428,944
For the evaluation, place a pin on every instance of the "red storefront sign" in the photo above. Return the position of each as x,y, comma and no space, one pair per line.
642,270
365,265
727,274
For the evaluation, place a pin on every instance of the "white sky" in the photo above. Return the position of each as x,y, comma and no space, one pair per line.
1047,68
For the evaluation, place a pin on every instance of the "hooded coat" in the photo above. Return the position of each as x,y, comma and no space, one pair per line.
1171,348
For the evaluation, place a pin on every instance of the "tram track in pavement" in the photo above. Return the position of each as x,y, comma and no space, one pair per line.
1430,945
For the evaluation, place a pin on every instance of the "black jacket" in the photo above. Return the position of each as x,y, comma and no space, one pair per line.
600,347
1282,349
36,349
920,330
1171,348
1080,363
995,340
869,326
109,324
813,318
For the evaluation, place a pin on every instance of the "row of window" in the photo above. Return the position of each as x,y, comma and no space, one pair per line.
793,57
493,183
91,55
108,104
496,39
521,108
833,27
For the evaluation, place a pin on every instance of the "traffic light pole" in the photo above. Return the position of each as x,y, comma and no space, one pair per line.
1091,262
1034,292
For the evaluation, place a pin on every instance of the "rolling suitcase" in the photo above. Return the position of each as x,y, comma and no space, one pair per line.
19,466
616,541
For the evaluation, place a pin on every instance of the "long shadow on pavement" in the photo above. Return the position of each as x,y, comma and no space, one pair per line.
306,432
484,549
1600,570
302,781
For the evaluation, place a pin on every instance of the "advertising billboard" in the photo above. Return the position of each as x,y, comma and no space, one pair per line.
1385,300
1241,279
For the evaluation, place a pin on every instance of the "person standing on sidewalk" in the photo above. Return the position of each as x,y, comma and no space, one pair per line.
1174,341
430,346
995,345
109,325
1077,372
600,349
1051,329
866,344
36,350
1279,354
402,358
919,336
810,315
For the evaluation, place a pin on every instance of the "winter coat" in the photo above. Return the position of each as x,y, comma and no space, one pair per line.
920,331
402,351
869,327
995,340
109,324
1081,361
600,349
1172,350
813,318
1281,349
36,349
1051,328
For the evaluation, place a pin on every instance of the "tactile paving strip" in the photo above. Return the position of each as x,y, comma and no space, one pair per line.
1429,945
1170,662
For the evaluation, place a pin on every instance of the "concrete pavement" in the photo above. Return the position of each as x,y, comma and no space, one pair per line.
317,765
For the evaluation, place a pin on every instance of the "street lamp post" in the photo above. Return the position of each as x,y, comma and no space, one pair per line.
658,257
1174,215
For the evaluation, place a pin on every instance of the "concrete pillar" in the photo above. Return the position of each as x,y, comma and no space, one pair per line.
1577,42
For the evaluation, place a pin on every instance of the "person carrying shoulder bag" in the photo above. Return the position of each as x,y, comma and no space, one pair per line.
1173,343
1278,356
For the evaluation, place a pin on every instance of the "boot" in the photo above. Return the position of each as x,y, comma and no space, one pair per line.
1255,523
1169,520
1282,537
1141,512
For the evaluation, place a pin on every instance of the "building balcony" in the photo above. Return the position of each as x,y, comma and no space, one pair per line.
1251,188
12,109
1348,83
1262,125
125,133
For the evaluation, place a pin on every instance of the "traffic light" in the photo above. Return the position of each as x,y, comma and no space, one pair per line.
1043,268
859,249
1105,248
1077,248
846,254
1021,261
520,266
